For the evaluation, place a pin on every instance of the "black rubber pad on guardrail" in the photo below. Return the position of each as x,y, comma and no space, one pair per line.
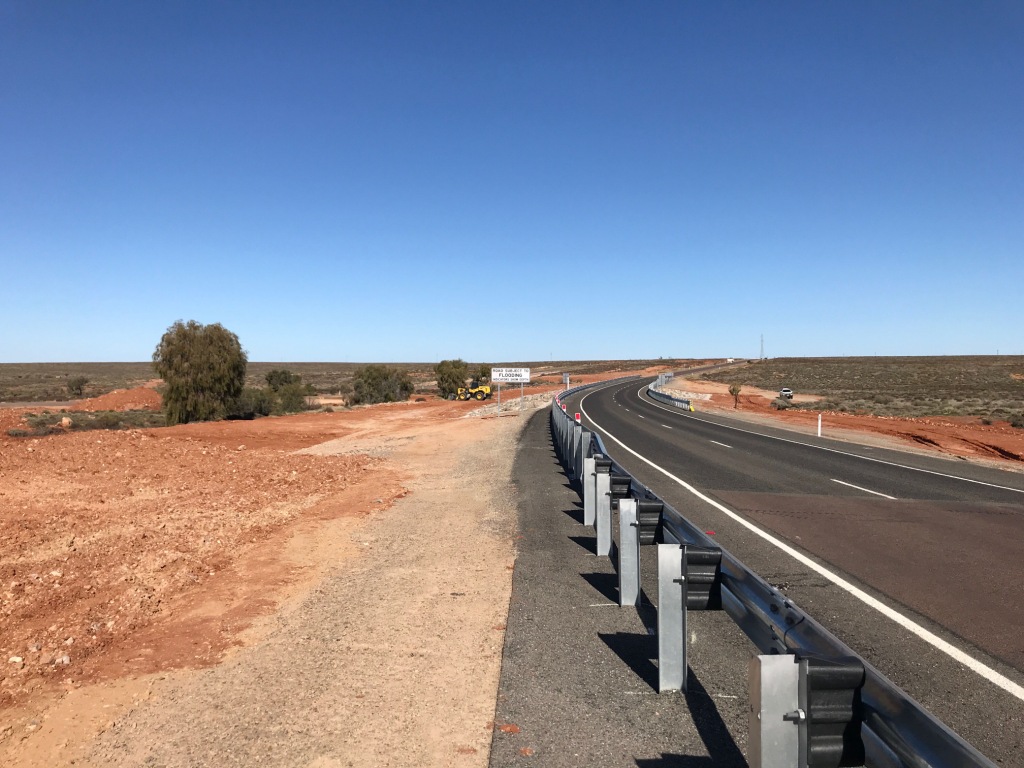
648,514
834,711
703,579
620,487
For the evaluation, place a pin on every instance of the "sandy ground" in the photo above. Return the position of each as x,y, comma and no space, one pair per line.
324,589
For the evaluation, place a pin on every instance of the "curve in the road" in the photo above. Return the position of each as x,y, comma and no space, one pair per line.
977,666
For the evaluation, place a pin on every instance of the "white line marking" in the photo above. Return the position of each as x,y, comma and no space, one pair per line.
721,444
666,426
602,605
640,417
949,649
832,450
866,490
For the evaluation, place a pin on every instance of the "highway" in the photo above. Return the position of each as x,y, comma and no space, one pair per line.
916,562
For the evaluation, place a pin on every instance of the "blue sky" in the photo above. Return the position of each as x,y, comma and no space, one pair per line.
410,181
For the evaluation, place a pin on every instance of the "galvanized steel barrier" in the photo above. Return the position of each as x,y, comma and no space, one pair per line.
814,701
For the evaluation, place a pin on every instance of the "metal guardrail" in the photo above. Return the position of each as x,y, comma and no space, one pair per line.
889,727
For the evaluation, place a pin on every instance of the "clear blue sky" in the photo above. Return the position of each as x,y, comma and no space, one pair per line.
507,181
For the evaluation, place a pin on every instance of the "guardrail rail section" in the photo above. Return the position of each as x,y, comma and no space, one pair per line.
814,702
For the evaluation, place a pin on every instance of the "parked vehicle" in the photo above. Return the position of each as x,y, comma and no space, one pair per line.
786,393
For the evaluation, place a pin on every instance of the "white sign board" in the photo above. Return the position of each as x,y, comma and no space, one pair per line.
510,375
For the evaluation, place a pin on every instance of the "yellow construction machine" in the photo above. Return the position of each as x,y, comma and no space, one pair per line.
475,391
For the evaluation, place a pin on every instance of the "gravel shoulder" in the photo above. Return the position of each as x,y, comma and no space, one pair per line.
369,623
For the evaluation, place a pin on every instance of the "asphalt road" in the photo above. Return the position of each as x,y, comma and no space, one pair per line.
939,542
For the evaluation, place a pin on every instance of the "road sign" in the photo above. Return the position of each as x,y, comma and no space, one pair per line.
510,375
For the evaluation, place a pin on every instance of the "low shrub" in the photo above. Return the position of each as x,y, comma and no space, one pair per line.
251,403
292,397
48,423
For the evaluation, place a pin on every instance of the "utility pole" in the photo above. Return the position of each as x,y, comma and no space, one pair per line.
762,346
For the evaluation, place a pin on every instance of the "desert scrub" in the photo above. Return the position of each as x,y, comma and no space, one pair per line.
893,386
48,423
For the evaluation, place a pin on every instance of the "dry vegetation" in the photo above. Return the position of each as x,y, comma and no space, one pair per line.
48,382
988,387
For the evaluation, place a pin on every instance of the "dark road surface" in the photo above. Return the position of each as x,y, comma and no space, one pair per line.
944,554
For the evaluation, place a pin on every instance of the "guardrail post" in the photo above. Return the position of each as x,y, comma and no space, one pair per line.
574,449
603,518
773,683
589,490
671,618
629,554
805,711
582,452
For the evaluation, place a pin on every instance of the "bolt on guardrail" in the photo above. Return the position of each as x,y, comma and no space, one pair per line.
814,701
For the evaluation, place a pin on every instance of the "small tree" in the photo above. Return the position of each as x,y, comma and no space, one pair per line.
291,397
451,374
277,379
482,373
381,384
734,390
203,367
76,385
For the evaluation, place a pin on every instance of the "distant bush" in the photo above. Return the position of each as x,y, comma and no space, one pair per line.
281,378
76,385
380,384
291,398
251,403
451,374
734,390
1017,421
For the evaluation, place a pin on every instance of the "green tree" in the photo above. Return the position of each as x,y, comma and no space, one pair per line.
380,384
76,385
451,374
482,373
291,397
203,368
734,390
277,379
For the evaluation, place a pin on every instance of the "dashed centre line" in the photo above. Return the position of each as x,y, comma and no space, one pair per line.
721,444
